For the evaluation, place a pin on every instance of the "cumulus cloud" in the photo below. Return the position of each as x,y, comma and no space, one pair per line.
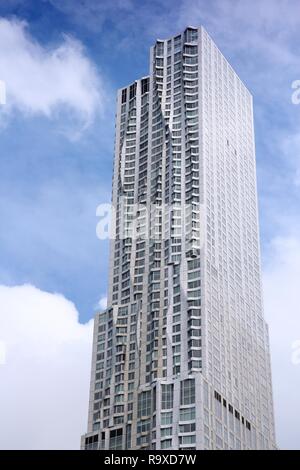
42,80
45,375
282,301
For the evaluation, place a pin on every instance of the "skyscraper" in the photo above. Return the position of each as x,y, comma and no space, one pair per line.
181,354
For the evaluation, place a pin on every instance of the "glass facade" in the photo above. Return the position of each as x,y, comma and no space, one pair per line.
181,355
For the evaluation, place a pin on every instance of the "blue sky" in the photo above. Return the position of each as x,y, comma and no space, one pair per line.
51,186
56,141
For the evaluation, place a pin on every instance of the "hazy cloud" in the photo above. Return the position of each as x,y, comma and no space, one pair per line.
92,13
282,301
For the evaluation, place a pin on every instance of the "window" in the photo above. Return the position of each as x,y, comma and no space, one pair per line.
166,444
91,442
143,426
166,432
96,426
166,396
166,418
145,85
187,439
187,414
159,48
177,43
187,392
132,91
191,50
191,427
128,436
118,420
124,95
117,408
144,404
194,264
191,35
115,439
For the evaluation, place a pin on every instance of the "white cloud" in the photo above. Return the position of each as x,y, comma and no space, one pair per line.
43,403
45,377
2,93
103,303
282,304
2,353
47,80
